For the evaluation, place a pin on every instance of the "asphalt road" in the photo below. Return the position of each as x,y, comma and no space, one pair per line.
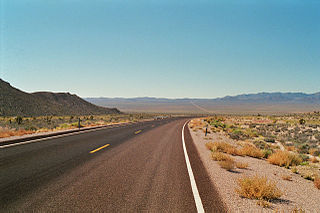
134,168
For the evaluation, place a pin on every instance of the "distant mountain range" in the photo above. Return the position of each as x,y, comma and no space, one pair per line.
246,103
14,102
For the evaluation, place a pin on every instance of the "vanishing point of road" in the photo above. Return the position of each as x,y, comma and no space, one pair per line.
149,166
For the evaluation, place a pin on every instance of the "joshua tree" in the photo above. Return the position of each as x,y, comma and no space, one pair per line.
19,120
302,121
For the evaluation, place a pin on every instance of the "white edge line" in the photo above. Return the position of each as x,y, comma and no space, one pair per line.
56,136
194,188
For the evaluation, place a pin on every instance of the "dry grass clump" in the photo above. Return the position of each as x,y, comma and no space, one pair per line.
224,160
263,203
290,148
9,133
317,182
313,151
314,160
246,150
251,151
287,177
240,165
227,164
223,147
256,187
298,210
196,124
219,156
284,158
232,151
308,176
209,145
294,170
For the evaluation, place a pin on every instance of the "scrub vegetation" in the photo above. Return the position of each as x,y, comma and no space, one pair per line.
17,126
257,187
290,141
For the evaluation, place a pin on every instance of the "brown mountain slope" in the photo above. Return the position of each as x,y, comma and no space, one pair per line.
15,102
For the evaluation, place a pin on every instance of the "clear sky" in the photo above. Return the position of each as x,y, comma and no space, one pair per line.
169,48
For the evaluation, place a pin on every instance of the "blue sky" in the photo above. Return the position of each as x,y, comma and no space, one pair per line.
166,48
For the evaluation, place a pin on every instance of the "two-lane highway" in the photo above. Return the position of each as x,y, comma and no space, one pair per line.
139,167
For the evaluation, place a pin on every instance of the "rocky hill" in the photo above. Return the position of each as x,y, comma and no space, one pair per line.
14,102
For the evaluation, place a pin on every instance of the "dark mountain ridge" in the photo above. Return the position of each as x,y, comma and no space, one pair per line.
15,102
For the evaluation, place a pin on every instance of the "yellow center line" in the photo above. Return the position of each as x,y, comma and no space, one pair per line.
93,151
137,132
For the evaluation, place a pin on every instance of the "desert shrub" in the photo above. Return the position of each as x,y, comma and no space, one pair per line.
75,124
294,170
209,145
298,210
287,177
261,144
284,158
270,140
219,156
314,160
19,120
48,119
222,147
240,165
302,121
216,123
317,182
314,152
304,148
238,134
232,150
290,148
308,176
267,152
304,157
31,128
227,164
251,133
304,163
19,132
257,187
71,118
64,126
251,151
264,203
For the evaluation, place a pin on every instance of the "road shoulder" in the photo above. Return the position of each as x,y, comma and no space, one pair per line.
210,196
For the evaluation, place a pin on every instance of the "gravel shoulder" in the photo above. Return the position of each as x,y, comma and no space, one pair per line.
299,193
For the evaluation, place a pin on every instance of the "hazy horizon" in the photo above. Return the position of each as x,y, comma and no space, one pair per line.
171,49
133,97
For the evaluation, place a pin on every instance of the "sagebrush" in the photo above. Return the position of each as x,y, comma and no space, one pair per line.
256,187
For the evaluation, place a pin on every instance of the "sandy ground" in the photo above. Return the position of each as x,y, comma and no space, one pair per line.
298,193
